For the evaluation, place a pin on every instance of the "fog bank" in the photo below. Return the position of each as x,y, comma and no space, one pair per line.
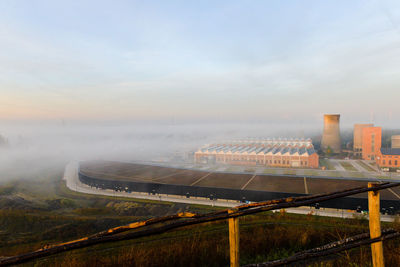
36,146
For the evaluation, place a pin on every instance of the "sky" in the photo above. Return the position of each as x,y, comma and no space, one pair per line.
267,61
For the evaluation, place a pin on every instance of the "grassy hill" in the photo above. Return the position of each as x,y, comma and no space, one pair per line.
41,210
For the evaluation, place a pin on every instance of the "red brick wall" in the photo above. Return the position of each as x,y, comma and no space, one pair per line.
313,161
371,142
388,161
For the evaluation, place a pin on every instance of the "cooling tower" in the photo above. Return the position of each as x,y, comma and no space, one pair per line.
331,135
396,141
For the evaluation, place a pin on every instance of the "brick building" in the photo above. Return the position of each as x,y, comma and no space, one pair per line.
388,158
357,138
269,152
371,142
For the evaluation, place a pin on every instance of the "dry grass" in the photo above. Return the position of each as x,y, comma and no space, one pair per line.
328,165
348,166
366,166
61,215
262,237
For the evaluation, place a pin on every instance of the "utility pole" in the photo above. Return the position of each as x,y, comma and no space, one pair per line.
234,240
375,226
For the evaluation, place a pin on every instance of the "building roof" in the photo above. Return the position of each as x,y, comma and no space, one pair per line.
390,151
310,151
267,146
260,149
285,150
272,141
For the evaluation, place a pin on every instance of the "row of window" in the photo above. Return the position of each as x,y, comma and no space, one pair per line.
390,162
245,159
287,162
284,162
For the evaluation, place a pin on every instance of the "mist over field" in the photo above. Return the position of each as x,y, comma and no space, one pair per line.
36,146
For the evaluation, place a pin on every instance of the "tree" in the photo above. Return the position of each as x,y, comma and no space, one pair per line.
328,151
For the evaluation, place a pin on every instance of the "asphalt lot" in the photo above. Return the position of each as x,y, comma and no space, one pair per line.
73,183
358,169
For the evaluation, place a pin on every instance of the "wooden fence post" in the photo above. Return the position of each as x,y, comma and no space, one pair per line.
375,226
234,240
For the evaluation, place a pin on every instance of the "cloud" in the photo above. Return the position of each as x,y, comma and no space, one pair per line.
170,64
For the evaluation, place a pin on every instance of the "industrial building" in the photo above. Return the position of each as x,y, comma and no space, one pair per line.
357,138
388,158
371,146
331,135
371,142
269,152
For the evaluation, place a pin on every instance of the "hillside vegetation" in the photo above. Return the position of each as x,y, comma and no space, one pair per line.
41,210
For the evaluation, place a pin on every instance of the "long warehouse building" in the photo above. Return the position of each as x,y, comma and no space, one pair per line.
298,153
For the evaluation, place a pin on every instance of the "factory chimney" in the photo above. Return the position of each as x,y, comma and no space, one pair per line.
331,134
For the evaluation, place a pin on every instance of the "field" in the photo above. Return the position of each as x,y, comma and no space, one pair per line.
289,172
366,166
348,166
42,210
325,163
263,237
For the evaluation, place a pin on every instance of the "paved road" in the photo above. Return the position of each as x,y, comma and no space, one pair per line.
73,183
